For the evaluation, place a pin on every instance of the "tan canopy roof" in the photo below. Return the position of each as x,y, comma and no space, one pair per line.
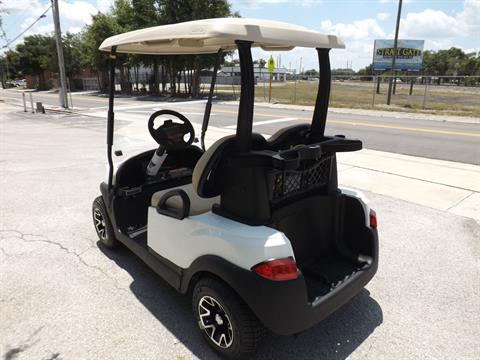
210,35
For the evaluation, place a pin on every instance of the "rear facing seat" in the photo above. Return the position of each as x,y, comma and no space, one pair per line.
198,205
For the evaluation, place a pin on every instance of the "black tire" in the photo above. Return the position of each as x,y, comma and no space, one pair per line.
102,224
245,332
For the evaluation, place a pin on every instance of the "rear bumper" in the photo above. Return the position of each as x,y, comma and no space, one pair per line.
283,306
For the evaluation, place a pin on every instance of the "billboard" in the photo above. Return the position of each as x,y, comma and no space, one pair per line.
409,55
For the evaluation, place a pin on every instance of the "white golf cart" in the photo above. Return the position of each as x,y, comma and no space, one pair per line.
256,230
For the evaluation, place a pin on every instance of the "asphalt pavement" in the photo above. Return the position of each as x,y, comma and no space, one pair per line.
64,297
399,132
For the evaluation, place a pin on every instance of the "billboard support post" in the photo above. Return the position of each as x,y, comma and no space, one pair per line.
395,43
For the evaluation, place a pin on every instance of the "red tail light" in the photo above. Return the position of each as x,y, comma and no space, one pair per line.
278,269
373,219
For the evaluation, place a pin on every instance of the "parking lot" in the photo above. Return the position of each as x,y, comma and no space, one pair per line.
63,296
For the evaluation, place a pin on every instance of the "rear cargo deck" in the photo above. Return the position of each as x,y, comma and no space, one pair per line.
323,276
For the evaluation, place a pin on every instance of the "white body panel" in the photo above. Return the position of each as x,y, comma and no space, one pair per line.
183,241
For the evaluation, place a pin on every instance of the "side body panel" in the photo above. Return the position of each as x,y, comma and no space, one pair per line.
183,241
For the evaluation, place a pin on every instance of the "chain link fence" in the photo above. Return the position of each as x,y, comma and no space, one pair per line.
457,95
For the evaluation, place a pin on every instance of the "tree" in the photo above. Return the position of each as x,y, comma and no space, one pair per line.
35,55
311,72
73,55
102,27
174,11
367,70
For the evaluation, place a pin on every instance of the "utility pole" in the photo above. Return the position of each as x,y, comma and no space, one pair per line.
395,43
61,61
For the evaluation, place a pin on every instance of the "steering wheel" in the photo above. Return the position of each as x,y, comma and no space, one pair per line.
171,135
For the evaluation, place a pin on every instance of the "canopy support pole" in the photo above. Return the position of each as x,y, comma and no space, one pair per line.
111,115
319,119
208,106
247,96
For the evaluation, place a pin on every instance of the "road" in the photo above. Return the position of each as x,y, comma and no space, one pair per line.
63,296
402,134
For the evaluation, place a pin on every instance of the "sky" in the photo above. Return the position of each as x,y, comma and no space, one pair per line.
441,23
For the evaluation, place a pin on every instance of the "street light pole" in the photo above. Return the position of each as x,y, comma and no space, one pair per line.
395,43
61,61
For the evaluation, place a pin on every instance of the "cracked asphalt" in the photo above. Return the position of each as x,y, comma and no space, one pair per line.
64,297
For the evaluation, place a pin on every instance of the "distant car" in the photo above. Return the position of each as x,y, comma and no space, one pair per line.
20,83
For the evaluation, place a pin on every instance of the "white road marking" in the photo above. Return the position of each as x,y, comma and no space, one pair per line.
153,104
274,121
156,109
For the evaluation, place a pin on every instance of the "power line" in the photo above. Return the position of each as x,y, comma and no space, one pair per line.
28,28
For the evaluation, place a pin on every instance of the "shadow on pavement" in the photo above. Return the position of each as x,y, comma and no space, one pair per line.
335,338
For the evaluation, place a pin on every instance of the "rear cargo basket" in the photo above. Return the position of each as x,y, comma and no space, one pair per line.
287,183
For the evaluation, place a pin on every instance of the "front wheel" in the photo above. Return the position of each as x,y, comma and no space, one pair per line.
102,223
228,324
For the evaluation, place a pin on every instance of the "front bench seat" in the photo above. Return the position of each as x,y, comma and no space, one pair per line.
203,178
198,205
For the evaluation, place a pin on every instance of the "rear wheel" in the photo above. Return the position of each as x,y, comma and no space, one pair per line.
228,325
102,223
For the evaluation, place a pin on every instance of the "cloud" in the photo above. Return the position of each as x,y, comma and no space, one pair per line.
78,12
358,36
74,29
383,16
20,6
38,28
358,30
256,4
440,27
104,5
389,1
469,17
429,24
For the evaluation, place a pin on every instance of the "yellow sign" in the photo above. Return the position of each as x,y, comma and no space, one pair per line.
271,64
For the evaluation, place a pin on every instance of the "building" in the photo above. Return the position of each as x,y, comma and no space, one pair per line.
279,74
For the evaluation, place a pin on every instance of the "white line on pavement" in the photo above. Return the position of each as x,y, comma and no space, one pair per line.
153,104
155,109
274,121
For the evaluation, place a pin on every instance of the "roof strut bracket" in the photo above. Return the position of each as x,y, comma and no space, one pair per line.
247,95
321,104
208,106
111,115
